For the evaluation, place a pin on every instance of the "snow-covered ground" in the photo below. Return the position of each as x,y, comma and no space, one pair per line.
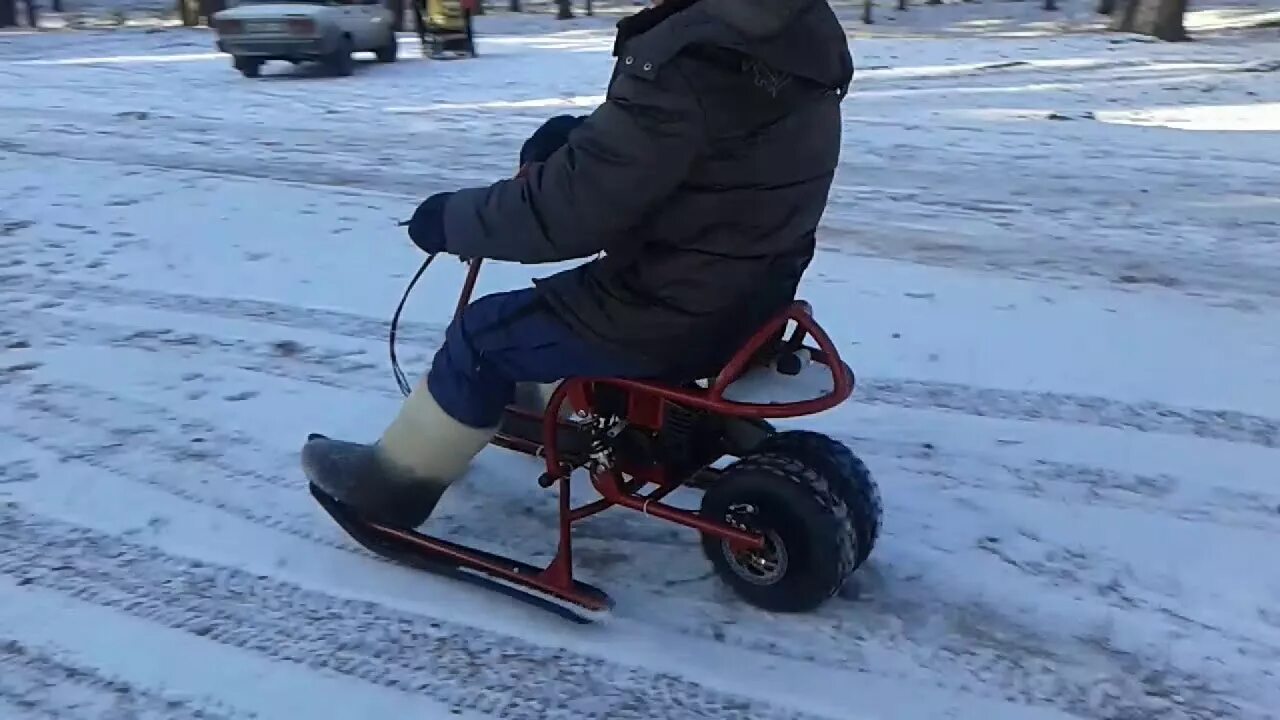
1054,263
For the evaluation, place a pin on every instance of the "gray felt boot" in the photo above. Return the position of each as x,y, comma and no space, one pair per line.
398,480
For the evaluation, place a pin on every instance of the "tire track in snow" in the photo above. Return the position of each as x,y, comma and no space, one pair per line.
17,471
148,452
238,160
234,148
274,313
1152,417
463,667
115,459
135,449
1029,406
10,711
147,467
1000,662
43,687
988,656
1077,483
1071,482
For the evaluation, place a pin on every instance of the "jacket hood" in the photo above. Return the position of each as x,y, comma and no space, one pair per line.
799,37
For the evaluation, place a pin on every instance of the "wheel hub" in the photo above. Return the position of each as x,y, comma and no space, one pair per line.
765,566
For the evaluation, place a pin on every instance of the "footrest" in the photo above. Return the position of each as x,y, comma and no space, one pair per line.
523,432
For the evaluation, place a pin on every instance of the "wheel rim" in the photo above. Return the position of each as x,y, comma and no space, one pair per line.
765,566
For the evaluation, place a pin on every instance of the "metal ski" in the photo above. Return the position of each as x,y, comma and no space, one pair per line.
551,588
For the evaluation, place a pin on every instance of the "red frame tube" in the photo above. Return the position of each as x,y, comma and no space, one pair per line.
468,287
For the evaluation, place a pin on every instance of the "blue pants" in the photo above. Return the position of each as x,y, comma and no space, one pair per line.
507,338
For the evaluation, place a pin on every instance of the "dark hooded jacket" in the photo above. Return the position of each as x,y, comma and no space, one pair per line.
699,182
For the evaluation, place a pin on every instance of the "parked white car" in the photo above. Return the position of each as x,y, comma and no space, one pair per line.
327,31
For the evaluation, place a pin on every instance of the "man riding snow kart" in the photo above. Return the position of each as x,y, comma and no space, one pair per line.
700,182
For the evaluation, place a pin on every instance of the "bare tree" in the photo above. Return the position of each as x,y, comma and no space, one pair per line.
195,12
902,5
1106,7
1162,19
188,10
397,14
866,12
1050,5
33,14
515,6
564,9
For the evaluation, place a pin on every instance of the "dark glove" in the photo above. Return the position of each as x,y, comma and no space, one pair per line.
426,227
553,134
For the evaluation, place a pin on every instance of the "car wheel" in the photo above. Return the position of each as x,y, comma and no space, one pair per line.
248,67
339,62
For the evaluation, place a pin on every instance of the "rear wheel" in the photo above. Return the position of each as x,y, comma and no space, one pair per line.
811,542
845,471
248,67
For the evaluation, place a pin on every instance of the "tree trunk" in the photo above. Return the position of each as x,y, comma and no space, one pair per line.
188,10
1170,19
1050,5
1106,7
8,13
866,12
564,10
933,2
1124,17
590,10
1161,19
57,6
33,14
902,5
515,6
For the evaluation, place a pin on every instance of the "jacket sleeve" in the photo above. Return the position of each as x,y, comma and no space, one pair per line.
628,155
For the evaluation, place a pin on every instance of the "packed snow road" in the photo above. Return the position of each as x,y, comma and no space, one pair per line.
1069,387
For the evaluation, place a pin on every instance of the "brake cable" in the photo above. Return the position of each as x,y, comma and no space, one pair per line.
401,380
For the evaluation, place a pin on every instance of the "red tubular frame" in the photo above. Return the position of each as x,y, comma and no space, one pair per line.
557,577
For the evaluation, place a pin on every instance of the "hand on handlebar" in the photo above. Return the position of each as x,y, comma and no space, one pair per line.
426,227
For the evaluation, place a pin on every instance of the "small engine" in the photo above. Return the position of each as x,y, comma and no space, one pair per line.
685,441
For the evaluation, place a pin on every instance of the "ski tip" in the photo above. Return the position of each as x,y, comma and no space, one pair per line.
586,616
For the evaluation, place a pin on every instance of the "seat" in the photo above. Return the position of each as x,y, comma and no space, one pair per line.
739,389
